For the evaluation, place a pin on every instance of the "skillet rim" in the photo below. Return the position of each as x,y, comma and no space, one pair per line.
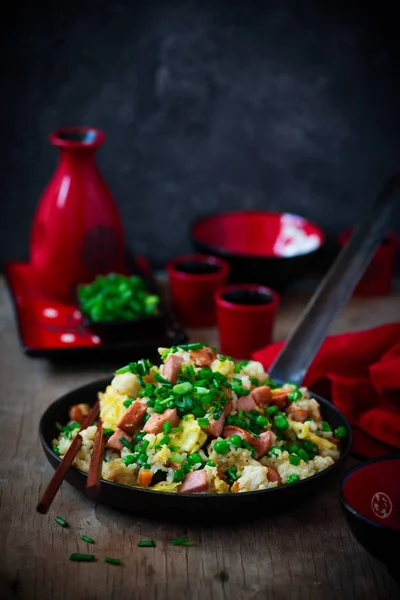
101,383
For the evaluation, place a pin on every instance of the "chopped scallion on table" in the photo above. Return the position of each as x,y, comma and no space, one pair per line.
112,561
182,542
79,557
61,521
146,544
87,539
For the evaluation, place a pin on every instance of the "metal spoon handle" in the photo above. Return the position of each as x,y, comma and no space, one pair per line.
335,289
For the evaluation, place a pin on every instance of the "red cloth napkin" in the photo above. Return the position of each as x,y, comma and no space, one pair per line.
360,373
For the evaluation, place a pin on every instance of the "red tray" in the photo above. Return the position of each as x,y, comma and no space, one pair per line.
55,330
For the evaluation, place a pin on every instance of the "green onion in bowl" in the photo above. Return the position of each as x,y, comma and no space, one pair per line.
115,297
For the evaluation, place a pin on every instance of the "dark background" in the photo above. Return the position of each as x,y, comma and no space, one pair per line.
207,106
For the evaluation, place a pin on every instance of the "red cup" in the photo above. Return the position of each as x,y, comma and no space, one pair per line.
194,279
245,315
377,279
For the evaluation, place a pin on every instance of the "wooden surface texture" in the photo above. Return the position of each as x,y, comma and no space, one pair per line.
308,553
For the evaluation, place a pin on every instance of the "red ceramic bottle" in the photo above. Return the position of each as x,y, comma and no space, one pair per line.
77,231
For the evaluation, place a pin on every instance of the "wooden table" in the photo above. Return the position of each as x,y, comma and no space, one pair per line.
307,554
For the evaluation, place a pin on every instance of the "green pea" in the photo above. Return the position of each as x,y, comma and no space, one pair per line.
236,441
341,432
294,448
294,460
262,421
194,459
303,455
222,447
179,475
281,423
295,395
292,478
210,463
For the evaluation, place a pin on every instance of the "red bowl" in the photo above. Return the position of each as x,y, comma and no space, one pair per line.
263,247
370,498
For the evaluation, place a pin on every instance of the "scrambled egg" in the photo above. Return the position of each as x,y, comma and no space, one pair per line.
303,432
190,438
112,407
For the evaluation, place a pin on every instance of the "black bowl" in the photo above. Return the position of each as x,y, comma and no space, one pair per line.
262,247
186,507
370,498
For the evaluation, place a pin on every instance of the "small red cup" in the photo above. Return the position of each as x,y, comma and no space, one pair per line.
246,316
194,279
378,277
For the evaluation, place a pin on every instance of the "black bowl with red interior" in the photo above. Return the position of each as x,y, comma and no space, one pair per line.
370,498
269,248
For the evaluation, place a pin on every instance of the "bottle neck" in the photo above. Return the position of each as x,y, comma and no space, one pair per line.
78,157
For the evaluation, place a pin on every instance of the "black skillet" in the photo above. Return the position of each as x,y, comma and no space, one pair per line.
291,365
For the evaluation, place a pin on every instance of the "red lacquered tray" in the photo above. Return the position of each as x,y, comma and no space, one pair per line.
51,329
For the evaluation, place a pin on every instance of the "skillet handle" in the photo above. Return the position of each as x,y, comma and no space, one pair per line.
335,288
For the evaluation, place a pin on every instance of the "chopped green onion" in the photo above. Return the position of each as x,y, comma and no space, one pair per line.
167,427
174,448
254,381
182,542
272,409
112,561
77,556
107,432
162,380
177,458
145,445
146,544
249,447
61,521
125,442
210,463
176,429
222,447
271,383
231,473
182,388
292,478
201,390
274,452
87,539
127,403
294,460
341,432
195,346
240,365
204,423
56,449
122,370
165,440
294,448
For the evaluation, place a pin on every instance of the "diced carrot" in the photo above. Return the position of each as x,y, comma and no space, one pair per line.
145,478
